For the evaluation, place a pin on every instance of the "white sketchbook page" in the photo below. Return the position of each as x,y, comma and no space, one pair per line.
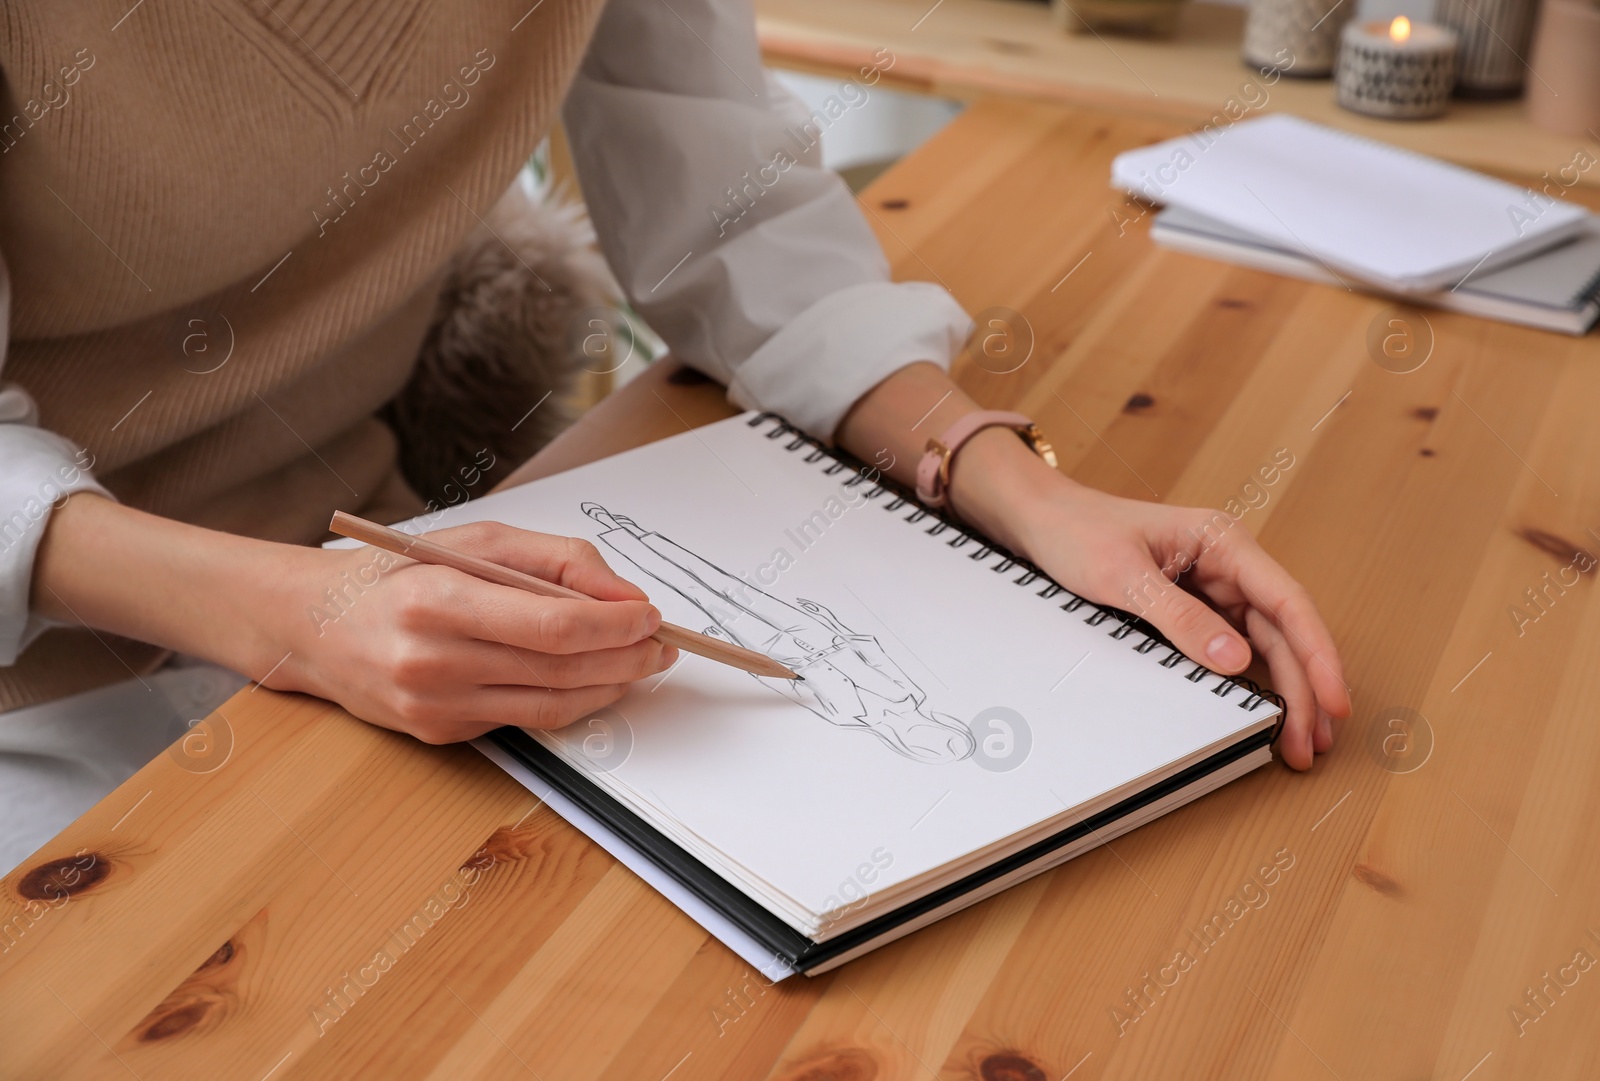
802,803
1375,211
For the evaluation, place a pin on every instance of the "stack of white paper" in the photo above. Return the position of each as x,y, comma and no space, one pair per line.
1387,217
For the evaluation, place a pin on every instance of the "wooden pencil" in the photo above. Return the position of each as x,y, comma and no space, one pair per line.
426,551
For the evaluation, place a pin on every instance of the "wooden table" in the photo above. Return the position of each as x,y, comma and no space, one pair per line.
242,922
967,48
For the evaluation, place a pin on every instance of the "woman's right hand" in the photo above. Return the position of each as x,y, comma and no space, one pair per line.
445,656
409,646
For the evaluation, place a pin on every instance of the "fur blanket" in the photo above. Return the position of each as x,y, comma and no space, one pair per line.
500,358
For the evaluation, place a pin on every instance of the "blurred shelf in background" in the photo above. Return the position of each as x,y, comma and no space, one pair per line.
962,49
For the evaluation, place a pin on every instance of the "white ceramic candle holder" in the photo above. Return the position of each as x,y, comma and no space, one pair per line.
1297,37
1398,70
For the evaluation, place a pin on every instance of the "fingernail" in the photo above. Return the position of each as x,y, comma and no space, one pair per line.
1227,652
1325,727
669,657
1311,747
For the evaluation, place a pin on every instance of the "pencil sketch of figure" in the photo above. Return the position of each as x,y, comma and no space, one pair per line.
849,680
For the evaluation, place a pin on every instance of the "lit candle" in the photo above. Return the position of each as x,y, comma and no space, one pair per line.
1399,69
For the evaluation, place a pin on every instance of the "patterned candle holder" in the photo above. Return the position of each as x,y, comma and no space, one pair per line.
1396,70
1297,37
1495,36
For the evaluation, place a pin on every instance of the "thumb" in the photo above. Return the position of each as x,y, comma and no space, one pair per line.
1191,625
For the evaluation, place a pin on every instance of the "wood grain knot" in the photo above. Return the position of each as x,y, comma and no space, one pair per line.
1427,452
223,955
685,376
1010,1066
1377,880
1234,303
1563,550
1425,412
173,1019
844,1064
894,204
59,879
203,997
506,844
1138,402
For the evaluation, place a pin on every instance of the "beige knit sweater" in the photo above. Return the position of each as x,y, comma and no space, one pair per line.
224,222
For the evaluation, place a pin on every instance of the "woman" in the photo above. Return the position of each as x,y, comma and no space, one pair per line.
296,181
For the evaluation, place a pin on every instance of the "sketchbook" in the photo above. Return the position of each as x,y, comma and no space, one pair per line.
1557,289
1400,220
964,722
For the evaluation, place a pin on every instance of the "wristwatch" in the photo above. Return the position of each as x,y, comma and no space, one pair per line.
933,471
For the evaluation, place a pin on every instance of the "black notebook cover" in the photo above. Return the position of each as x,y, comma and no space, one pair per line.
784,941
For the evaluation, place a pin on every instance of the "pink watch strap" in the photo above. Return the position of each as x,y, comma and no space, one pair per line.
933,471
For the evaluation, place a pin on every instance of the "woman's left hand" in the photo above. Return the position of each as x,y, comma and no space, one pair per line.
1197,575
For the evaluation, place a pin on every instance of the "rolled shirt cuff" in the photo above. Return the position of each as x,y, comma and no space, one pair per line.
40,469
822,361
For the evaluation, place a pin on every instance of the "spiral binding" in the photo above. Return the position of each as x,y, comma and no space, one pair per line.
1127,624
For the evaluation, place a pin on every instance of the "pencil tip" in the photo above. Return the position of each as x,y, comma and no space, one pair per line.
798,678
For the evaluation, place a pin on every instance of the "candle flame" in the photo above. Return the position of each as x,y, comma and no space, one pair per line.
1400,29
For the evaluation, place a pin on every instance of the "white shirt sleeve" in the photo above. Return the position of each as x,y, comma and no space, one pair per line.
37,470
754,264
